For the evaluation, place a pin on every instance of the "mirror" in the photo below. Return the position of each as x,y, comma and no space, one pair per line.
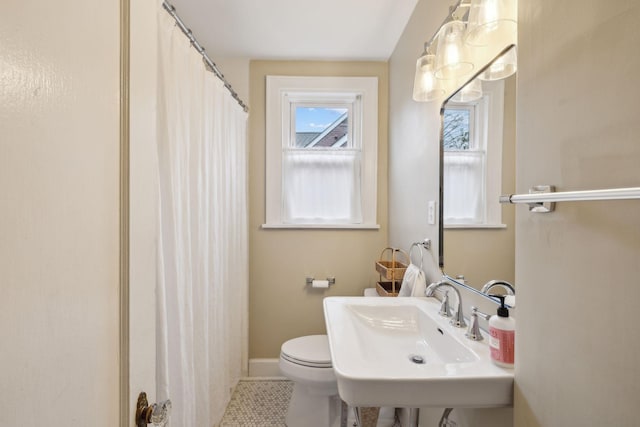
477,165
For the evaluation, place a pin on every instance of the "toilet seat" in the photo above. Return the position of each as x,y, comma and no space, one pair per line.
311,351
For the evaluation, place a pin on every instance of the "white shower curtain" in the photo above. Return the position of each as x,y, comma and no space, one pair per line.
202,265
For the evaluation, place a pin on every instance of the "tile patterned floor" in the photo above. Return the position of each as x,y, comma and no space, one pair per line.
263,403
258,403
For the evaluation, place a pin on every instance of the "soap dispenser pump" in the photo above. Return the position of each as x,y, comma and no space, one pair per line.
502,329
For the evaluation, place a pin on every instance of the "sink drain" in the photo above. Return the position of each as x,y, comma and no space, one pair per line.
417,359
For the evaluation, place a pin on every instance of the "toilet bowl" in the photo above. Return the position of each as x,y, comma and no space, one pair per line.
315,402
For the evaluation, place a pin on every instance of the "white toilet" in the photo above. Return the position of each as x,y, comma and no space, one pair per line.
315,402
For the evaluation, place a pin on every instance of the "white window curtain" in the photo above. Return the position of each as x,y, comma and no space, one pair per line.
321,186
464,200
202,257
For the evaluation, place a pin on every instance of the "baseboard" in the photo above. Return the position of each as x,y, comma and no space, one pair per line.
264,368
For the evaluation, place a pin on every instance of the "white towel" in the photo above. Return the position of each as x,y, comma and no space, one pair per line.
414,282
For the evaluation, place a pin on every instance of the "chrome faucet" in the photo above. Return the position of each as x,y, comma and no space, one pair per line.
473,333
506,285
458,319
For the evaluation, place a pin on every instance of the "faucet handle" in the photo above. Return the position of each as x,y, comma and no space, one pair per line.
473,332
445,310
476,312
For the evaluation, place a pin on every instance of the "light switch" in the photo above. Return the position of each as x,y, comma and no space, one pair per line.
431,212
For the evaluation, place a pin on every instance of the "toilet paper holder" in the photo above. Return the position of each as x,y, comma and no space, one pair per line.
331,280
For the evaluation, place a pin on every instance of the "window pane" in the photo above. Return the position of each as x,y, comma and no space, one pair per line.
322,127
456,130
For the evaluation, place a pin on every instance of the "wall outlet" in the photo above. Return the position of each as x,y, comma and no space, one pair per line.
431,212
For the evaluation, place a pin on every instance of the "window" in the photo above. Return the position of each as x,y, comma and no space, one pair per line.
472,165
321,155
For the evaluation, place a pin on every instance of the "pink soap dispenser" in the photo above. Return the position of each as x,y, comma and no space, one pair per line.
502,328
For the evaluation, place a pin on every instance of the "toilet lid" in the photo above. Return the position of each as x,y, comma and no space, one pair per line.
312,350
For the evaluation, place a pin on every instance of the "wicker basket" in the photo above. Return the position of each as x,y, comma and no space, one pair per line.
387,289
391,272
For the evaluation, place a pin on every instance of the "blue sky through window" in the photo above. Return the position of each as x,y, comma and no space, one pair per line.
316,119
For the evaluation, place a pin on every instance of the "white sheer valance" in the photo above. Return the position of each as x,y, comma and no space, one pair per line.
321,186
464,200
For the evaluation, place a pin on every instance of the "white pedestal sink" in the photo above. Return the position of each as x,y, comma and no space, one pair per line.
399,352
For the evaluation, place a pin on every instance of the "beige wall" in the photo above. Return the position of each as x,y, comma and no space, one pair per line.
414,130
486,254
59,213
236,71
281,307
577,269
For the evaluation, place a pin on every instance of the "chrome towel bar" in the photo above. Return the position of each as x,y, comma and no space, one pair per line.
541,198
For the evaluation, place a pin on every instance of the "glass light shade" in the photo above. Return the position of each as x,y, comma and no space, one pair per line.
502,67
471,92
452,59
425,85
492,22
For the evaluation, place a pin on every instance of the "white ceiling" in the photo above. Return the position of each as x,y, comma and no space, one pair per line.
297,29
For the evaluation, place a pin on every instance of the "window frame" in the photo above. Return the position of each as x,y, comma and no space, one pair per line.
488,130
282,94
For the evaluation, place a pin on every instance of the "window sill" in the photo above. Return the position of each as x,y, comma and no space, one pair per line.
478,226
322,226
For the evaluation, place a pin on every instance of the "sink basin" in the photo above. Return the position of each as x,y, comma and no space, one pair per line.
399,352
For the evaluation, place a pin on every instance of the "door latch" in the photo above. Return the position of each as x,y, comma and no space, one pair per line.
156,414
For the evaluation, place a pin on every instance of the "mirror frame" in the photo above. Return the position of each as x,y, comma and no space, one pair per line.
441,173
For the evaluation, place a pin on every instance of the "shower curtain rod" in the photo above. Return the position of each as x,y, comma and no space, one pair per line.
187,32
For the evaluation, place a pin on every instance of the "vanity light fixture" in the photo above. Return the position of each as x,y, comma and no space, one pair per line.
502,67
425,85
492,22
452,57
470,25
